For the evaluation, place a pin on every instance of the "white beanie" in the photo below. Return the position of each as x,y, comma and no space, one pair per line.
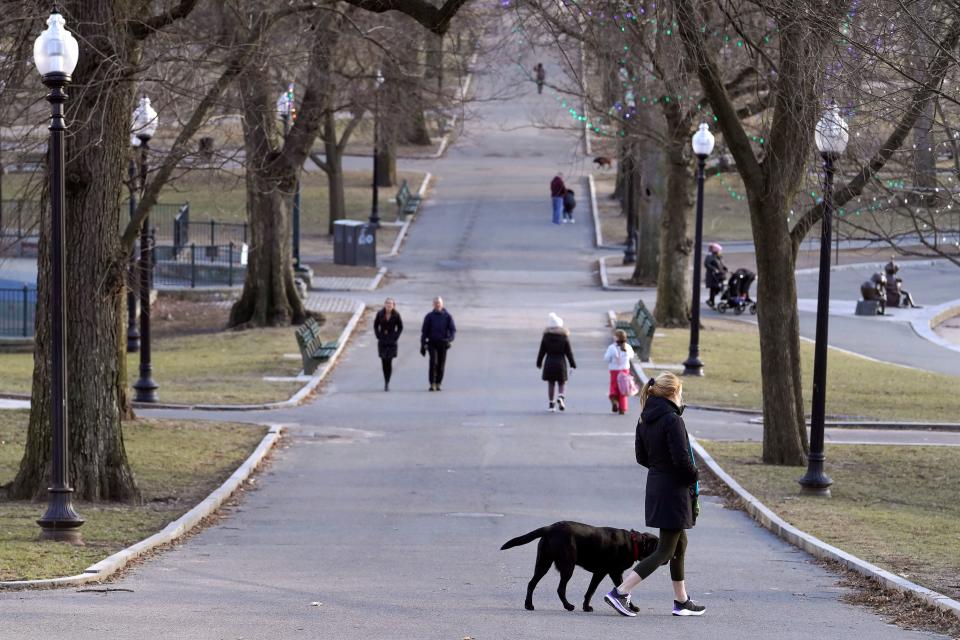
555,320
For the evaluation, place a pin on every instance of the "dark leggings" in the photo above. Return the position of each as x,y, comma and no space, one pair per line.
672,547
387,369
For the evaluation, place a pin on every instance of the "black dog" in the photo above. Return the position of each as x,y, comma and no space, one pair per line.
603,551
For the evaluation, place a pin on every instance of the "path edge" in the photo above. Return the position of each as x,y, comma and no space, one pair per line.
173,531
395,249
818,548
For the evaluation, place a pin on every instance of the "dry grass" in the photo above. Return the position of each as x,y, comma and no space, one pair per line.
731,353
176,463
196,361
894,506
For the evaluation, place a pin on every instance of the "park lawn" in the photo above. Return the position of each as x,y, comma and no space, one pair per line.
222,367
894,506
730,351
176,463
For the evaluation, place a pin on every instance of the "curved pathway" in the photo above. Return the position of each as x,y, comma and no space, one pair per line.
388,510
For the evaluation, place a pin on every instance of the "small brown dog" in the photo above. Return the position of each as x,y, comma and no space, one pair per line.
603,551
603,161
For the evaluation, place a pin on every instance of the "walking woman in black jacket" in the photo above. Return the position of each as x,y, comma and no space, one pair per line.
672,498
387,326
554,354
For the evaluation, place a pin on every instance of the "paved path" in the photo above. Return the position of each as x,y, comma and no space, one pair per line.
389,509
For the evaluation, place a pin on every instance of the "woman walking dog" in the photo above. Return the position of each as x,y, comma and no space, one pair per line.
673,493
554,354
387,327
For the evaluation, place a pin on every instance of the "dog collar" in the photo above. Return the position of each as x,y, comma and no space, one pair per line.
636,545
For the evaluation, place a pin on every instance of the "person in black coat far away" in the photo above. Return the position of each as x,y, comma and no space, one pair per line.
387,326
672,498
436,335
716,271
554,354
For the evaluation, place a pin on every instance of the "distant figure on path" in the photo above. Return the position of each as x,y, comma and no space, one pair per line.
673,492
569,204
387,326
716,271
541,75
436,335
554,354
618,357
557,191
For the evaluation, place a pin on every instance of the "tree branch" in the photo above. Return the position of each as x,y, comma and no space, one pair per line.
429,16
141,29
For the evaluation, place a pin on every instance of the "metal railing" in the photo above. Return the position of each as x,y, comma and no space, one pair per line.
19,219
18,307
199,265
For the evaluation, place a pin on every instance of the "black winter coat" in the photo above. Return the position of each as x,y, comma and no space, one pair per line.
554,353
438,329
716,271
387,332
663,447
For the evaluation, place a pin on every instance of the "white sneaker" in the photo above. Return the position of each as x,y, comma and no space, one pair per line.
561,403
552,408
572,221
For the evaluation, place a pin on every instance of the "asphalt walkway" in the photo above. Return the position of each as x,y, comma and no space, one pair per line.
387,510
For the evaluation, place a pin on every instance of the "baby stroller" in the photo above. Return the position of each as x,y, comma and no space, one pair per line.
736,296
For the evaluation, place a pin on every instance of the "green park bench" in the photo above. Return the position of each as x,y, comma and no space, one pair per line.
407,202
639,329
312,348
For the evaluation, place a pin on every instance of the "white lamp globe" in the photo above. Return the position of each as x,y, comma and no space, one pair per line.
831,133
379,78
703,140
55,50
145,120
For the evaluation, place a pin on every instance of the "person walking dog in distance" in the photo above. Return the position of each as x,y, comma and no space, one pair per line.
554,354
618,357
437,334
387,326
673,493
557,191
541,76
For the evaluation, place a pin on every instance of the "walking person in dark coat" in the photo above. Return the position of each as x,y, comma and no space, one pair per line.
387,326
436,335
554,354
672,497
569,204
557,191
716,271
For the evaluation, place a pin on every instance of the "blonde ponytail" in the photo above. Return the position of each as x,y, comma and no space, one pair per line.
665,385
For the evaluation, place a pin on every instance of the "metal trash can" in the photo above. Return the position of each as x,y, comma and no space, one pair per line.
354,243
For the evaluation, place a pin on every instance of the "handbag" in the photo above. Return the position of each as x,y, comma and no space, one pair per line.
626,384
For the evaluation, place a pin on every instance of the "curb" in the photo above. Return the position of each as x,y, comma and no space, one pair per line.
853,266
923,327
820,549
294,400
605,282
170,533
395,250
376,279
462,94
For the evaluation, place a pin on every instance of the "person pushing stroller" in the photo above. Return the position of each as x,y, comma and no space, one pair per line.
716,271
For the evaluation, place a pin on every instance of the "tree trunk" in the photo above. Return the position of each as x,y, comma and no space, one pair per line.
334,171
416,130
434,66
673,291
784,425
269,295
650,198
387,162
96,152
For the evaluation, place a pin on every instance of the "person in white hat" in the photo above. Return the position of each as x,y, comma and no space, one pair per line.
555,353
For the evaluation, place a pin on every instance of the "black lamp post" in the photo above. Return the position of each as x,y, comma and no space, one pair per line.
133,334
286,107
144,126
702,147
374,208
55,53
831,136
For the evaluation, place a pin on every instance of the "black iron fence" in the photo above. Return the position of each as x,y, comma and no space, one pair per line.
17,311
200,265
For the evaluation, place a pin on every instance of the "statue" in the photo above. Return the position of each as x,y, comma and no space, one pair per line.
896,296
874,289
